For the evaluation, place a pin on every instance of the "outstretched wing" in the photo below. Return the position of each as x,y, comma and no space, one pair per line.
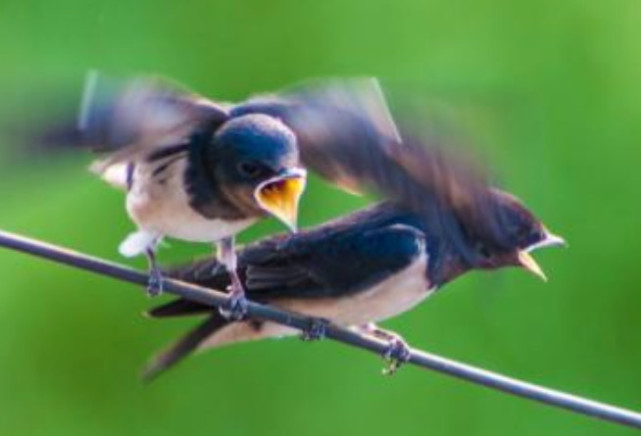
337,123
347,134
128,119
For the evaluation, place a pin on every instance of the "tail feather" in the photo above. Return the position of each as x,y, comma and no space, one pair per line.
183,347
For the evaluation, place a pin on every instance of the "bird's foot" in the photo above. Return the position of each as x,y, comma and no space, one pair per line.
235,309
316,330
155,283
396,354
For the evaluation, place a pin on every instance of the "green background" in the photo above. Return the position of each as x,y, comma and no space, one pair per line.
550,88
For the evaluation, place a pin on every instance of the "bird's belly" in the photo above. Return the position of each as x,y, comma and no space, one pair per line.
178,220
386,299
164,209
196,228
389,297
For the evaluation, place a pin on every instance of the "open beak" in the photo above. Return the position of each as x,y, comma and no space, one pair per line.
527,261
280,195
550,240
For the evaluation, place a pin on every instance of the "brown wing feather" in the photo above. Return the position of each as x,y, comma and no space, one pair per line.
346,134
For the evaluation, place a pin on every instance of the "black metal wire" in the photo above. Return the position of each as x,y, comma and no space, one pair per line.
260,311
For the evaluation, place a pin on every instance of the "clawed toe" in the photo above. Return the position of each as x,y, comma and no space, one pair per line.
316,330
155,283
397,353
236,307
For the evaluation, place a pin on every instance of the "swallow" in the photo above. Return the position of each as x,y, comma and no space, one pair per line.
202,171
374,264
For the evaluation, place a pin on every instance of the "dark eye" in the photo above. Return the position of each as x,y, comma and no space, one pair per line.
249,169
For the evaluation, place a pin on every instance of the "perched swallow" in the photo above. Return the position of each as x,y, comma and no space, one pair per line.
203,171
373,264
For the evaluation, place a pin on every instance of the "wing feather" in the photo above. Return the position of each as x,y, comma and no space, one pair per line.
127,120
346,133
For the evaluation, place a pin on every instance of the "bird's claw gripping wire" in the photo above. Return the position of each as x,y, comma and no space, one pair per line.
236,307
155,283
396,354
316,330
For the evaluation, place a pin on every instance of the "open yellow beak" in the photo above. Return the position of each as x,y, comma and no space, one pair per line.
280,196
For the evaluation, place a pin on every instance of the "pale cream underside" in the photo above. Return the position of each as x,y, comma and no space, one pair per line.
163,209
390,297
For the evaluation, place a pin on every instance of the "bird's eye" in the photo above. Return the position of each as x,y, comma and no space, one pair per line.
249,169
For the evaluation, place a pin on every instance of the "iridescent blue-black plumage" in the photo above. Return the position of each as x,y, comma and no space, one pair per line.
345,269
335,259
348,254
227,163
348,136
445,219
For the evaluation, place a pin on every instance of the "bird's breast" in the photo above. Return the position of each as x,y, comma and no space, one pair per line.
159,203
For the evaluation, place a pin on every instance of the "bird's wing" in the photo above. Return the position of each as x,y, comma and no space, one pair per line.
329,262
332,260
346,133
126,120
336,122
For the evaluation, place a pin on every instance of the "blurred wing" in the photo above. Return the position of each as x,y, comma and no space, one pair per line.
338,123
347,134
128,119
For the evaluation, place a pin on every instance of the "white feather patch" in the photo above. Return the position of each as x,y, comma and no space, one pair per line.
115,174
136,243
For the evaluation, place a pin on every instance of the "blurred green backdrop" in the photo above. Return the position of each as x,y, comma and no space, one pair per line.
551,88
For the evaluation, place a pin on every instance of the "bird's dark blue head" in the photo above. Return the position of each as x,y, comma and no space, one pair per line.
519,232
255,160
516,232
521,228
